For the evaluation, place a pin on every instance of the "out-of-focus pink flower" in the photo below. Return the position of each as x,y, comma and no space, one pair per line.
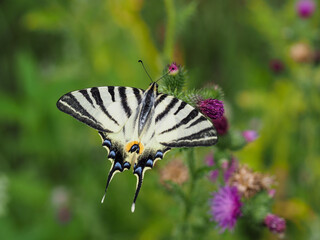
250,135
271,193
301,52
226,207
212,108
305,8
221,125
209,160
173,68
233,165
276,65
274,223
213,175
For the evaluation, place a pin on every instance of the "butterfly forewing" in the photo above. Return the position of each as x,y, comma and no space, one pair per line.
178,124
103,108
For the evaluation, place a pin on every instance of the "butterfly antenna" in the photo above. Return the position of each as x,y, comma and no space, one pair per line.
163,76
140,61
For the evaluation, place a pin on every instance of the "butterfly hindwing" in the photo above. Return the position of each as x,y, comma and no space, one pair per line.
178,124
104,108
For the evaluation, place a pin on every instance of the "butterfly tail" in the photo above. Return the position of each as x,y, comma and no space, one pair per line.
139,176
117,166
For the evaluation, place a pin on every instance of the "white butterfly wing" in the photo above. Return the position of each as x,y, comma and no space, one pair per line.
178,124
104,108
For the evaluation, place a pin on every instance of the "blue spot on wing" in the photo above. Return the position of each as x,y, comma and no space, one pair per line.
149,163
138,171
112,154
117,166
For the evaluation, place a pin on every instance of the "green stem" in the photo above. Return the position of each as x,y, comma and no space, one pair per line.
185,228
169,40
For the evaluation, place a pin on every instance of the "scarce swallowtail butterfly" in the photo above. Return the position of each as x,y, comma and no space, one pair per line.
138,127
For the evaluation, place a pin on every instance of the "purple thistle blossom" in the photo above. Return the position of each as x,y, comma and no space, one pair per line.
305,8
226,207
276,65
274,223
250,135
212,108
271,193
209,160
213,175
221,125
232,167
173,68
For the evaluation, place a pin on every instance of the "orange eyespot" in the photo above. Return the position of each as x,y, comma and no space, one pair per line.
134,146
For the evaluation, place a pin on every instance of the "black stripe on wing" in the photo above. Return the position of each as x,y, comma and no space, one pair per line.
84,92
111,92
137,94
160,99
172,103
199,120
97,97
70,105
194,113
205,137
124,101
182,105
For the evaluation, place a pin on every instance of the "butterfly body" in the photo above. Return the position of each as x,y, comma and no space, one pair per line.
138,127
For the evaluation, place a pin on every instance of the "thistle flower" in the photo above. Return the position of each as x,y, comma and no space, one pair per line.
213,175
274,223
232,166
249,182
209,160
271,193
250,135
226,207
301,52
221,125
212,108
305,8
276,65
175,171
173,68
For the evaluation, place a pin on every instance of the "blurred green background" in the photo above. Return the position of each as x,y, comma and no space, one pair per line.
53,169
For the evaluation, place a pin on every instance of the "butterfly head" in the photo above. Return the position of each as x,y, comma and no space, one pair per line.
153,87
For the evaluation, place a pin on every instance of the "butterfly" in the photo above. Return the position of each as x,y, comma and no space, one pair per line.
138,127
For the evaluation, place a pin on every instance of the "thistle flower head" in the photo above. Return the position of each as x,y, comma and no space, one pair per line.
231,167
249,182
212,108
250,135
305,8
271,193
173,68
301,52
274,223
226,207
175,171
221,125
209,160
276,65
213,175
